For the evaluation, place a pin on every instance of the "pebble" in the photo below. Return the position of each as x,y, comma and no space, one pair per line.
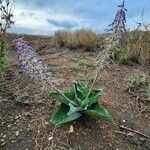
4,143
16,117
2,140
71,129
46,123
13,141
9,126
17,133
50,138
123,121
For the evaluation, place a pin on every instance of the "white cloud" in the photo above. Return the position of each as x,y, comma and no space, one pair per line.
36,20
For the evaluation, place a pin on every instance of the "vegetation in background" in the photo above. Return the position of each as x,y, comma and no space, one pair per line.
5,23
126,46
136,48
134,81
79,39
80,63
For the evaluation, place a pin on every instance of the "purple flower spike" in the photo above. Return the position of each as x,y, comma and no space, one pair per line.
117,27
120,19
31,63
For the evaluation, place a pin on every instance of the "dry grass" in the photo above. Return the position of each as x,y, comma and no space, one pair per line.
79,39
136,48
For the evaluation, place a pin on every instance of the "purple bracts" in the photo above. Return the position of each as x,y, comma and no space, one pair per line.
117,27
120,19
30,61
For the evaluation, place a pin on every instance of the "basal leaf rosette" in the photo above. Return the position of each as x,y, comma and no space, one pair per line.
80,102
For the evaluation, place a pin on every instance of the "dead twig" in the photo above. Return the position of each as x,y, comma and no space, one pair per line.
134,131
123,133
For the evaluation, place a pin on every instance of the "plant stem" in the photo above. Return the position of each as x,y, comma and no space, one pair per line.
100,67
58,91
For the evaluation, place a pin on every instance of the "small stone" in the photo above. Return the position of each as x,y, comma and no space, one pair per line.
4,136
38,131
50,138
71,129
2,140
17,133
4,143
9,126
46,123
123,120
16,117
13,141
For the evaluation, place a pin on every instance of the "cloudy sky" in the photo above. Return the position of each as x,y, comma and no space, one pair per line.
46,16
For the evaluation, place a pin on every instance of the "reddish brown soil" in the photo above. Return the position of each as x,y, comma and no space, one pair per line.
25,125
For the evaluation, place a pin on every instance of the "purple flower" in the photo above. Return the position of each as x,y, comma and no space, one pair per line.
117,27
120,19
31,63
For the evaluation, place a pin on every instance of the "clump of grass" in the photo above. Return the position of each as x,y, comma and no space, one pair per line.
80,39
80,63
83,62
3,87
4,61
136,48
86,79
60,38
135,81
31,127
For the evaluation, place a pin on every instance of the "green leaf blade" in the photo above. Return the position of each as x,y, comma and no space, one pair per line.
100,112
78,92
60,116
92,98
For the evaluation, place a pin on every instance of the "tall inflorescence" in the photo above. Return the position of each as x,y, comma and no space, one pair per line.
115,38
33,65
118,27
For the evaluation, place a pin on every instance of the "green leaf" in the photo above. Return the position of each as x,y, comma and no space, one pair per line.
70,118
78,92
74,109
99,111
59,97
60,116
92,98
70,95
